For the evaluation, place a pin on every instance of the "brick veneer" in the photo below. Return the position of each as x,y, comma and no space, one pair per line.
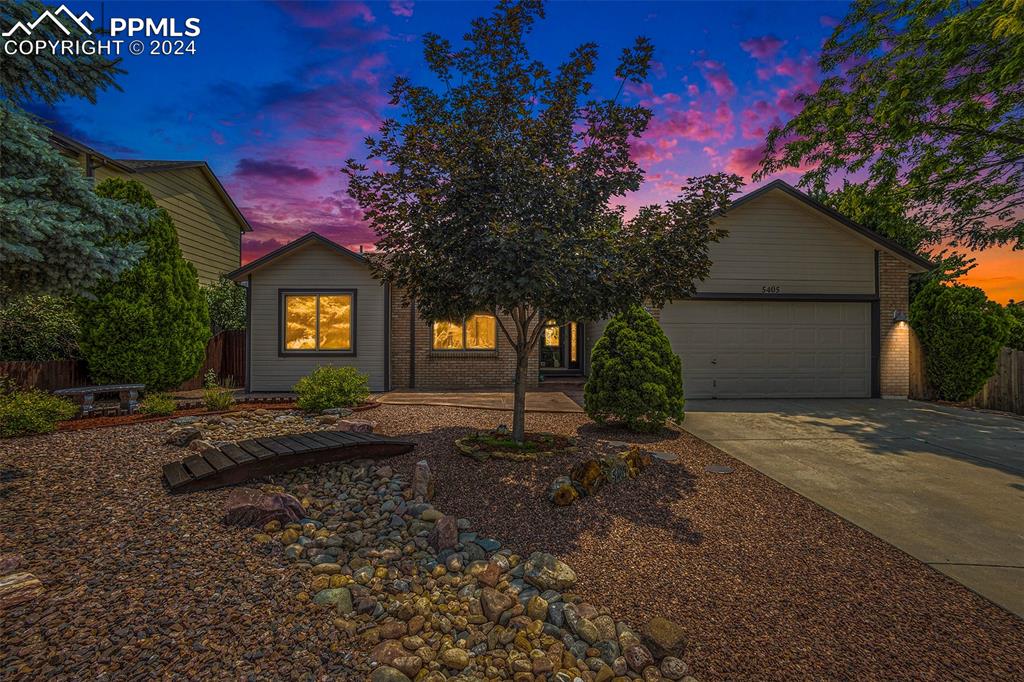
446,369
894,294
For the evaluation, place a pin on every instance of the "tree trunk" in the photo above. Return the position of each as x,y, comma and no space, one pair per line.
519,402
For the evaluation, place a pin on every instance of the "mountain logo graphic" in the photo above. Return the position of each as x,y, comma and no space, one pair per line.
53,17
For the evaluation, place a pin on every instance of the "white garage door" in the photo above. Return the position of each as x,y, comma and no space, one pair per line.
772,349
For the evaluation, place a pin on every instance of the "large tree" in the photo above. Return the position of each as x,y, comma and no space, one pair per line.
56,235
927,96
491,191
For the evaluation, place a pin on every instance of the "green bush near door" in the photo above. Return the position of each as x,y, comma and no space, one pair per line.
635,377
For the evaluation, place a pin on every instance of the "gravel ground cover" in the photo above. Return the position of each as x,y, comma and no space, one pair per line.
140,584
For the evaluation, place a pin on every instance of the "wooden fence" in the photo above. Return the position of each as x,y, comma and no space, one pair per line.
48,376
225,354
1003,391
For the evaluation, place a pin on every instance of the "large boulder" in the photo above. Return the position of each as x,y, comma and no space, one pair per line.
182,436
248,507
546,572
663,637
354,425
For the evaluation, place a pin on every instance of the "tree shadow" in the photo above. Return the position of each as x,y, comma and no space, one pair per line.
508,500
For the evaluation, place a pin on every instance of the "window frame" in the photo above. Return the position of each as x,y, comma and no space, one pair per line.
464,349
282,294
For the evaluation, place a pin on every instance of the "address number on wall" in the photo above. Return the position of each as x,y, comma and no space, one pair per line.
771,289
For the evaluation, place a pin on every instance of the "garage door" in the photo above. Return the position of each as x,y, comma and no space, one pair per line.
772,349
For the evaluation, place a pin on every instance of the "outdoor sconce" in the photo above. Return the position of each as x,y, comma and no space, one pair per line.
899,316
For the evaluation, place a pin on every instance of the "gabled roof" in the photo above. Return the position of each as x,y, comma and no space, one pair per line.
888,244
308,238
154,166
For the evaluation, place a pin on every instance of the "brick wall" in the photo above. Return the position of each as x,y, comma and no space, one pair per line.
448,369
894,294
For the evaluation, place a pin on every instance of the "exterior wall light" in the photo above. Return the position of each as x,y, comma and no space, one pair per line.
899,316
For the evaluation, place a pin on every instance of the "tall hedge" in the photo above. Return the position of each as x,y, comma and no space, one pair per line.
635,378
962,332
151,325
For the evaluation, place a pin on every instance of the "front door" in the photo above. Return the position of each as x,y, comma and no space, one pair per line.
561,348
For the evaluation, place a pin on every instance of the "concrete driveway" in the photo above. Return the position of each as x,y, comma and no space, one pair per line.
943,484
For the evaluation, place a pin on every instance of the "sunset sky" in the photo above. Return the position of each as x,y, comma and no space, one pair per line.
280,94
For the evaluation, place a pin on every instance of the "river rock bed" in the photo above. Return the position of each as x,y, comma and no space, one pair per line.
430,599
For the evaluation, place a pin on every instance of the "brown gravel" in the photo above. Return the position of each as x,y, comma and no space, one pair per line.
770,585
140,584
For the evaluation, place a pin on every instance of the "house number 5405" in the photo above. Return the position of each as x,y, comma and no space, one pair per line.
771,289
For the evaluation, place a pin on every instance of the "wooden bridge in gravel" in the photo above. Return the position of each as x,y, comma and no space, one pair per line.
233,463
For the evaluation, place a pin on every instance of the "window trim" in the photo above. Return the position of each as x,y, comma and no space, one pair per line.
464,350
284,352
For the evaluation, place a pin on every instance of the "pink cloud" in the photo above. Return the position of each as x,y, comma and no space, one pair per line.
216,137
365,69
401,8
827,21
744,160
717,77
757,119
763,48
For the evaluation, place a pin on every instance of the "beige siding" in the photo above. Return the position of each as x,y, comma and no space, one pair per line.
776,241
208,232
314,266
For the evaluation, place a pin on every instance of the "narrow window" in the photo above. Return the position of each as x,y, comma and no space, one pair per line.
318,322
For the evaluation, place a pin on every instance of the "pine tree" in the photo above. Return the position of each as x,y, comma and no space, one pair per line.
152,324
56,236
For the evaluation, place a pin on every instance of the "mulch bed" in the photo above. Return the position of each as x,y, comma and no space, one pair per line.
140,584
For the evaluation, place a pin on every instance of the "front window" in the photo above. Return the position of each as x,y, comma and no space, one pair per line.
477,332
318,322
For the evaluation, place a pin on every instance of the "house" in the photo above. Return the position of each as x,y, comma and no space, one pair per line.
209,224
800,302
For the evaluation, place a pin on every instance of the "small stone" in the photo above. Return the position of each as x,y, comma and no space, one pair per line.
674,668
547,572
638,658
455,658
422,482
664,455
445,534
410,666
326,569
494,603
386,673
363,575
537,608
663,637
333,596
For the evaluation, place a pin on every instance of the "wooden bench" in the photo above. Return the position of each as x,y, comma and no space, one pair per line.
128,393
233,463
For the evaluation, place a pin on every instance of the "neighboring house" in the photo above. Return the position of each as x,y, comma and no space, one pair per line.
800,302
209,224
